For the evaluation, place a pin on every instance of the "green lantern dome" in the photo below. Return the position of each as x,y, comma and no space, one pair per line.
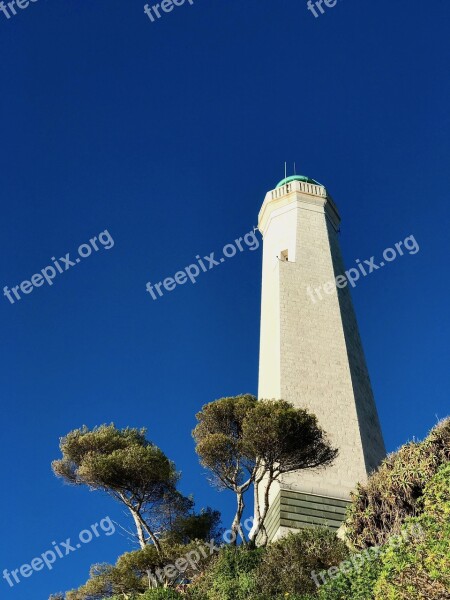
297,178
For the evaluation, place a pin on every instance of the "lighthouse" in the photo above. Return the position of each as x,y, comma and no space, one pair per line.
311,353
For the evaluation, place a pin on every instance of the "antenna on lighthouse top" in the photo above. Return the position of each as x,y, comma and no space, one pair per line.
295,172
285,168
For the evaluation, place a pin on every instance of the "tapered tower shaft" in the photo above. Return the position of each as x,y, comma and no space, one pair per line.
311,352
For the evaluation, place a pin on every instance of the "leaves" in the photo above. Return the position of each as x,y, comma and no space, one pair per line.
220,443
122,462
244,441
285,438
394,492
130,468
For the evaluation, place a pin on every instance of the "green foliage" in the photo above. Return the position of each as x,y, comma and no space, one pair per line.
356,577
414,565
189,527
233,433
130,574
131,469
285,438
420,568
135,472
118,461
157,594
106,580
281,570
394,492
242,441
287,564
230,576
160,594
405,505
219,440
221,448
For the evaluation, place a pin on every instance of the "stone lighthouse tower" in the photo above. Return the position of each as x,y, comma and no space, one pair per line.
311,353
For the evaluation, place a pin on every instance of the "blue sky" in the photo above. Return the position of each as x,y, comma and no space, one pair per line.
168,135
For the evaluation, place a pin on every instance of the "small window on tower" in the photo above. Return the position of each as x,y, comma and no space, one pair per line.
284,255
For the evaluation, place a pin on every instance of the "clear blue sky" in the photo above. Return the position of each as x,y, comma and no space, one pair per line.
168,135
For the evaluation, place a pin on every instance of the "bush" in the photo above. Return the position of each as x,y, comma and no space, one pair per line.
160,594
230,576
281,570
393,493
414,565
356,581
156,594
287,565
420,568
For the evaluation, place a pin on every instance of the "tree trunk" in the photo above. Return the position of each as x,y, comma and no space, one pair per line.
151,535
141,528
236,525
260,515
257,515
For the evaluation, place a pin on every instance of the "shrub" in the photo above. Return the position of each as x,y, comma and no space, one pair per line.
287,565
282,570
230,576
420,568
160,594
414,565
393,493
354,582
156,594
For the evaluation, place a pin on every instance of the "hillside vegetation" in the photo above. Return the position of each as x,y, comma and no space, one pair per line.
396,546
